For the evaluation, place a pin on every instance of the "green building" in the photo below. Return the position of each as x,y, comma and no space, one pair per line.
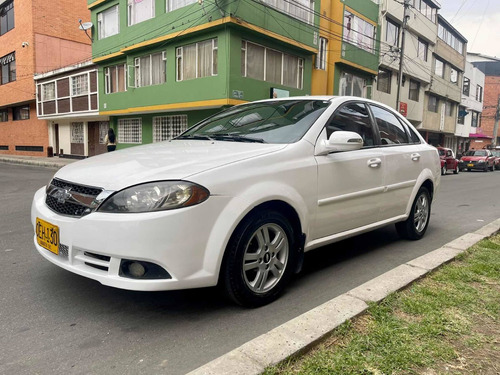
166,64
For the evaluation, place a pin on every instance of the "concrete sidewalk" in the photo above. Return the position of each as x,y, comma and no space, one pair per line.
54,162
300,333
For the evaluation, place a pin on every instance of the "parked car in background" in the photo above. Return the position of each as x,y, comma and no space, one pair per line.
496,154
448,160
239,197
479,159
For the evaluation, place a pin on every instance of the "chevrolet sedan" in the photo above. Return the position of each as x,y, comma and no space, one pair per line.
238,198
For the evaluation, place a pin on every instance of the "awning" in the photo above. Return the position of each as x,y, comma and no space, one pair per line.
480,135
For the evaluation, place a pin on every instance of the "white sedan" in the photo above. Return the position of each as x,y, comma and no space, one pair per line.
238,198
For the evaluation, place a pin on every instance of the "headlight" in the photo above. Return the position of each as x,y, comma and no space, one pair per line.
155,196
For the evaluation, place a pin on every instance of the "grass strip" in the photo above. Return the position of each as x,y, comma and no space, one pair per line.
446,323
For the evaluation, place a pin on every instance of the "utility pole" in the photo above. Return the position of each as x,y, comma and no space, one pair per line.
402,51
495,128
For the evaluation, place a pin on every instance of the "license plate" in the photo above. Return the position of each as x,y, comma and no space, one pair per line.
470,165
47,235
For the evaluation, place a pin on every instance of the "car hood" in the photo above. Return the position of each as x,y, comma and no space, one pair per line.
171,160
473,158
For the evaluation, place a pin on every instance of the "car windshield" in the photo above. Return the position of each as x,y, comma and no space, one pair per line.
476,153
496,153
441,152
265,122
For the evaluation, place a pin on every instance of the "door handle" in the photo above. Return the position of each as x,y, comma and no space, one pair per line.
415,157
374,163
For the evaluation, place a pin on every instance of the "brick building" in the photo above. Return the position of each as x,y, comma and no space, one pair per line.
35,36
490,66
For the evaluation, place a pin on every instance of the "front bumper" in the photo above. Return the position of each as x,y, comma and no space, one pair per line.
95,245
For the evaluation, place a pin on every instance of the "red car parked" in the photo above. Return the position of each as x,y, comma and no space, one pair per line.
448,160
479,159
496,154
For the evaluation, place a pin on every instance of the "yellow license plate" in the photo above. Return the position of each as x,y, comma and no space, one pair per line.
470,165
47,235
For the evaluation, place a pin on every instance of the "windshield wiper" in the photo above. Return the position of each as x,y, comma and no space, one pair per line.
195,136
236,138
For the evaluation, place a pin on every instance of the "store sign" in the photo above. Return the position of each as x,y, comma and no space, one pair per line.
403,109
278,93
8,59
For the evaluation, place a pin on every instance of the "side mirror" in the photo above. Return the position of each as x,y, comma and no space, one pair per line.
341,141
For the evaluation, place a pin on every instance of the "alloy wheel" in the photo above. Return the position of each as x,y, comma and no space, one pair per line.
421,213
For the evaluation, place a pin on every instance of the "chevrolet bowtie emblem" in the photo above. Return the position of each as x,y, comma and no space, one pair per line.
62,195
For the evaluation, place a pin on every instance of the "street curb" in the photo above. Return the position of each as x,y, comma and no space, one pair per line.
303,331
33,162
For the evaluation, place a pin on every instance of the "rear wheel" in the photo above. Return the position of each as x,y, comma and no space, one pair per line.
443,170
456,170
415,226
259,259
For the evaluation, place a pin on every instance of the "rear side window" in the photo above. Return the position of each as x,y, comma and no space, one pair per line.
391,130
413,136
353,117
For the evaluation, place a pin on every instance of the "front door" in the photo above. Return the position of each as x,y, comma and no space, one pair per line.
97,132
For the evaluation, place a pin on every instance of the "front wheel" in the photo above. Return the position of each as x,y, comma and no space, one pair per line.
259,259
456,170
415,226
443,170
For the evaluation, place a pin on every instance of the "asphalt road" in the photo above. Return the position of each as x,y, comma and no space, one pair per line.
55,322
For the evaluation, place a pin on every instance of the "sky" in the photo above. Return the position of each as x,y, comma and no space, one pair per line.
478,21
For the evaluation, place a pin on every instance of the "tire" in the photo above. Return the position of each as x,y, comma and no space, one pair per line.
456,170
443,170
486,168
260,259
492,168
416,225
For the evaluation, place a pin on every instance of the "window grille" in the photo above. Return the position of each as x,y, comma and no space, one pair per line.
103,131
77,132
168,127
48,91
130,130
80,85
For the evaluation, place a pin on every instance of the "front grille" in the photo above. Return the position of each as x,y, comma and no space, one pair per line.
70,199
63,250
82,189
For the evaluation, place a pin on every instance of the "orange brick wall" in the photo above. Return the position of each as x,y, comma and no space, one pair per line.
491,94
54,40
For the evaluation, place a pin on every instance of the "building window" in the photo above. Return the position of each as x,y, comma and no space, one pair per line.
80,85
77,132
439,68
433,103
48,91
351,85
130,130
426,9
4,115
466,89
479,93
392,33
450,109
414,90
21,113
168,127
108,22
103,131
266,64
140,10
359,32
176,4
115,78
300,9
384,80
6,17
475,119
454,76
423,48
450,39
8,65
321,56
197,60
461,115
150,69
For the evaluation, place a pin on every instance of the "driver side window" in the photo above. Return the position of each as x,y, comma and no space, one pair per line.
353,117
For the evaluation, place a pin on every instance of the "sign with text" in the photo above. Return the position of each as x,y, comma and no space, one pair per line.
403,109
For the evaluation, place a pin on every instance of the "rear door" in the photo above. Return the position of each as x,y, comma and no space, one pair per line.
403,162
350,183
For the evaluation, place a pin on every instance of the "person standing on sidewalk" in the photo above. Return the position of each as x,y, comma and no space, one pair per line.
110,140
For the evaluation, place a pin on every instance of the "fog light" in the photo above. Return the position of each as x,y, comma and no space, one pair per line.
136,269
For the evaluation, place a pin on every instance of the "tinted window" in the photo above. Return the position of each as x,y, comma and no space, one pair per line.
390,129
352,117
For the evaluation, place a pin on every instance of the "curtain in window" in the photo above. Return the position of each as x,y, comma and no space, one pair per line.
121,78
141,10
205,59
145,71
290,70
158,69
189,61
111,21
273,66
176,4
255,59
357,86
